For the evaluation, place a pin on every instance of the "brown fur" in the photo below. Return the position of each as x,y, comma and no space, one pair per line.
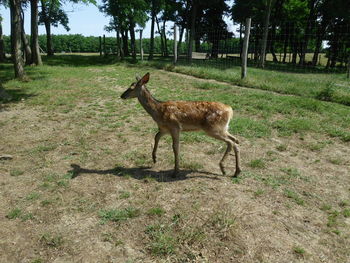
176,116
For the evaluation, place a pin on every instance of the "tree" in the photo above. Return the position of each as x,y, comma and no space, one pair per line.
36,57
16,38
27,49
52,14
265,34
126,14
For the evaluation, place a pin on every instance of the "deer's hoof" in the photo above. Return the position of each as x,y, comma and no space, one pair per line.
154,159
238,171
222,168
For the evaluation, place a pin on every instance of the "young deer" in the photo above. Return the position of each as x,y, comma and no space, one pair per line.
176,116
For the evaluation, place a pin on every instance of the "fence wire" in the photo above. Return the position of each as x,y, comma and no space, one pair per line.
314,48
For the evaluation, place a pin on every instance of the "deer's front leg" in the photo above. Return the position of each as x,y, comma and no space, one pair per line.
175,134
156,141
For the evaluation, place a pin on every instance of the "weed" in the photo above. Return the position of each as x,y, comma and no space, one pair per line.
16,172
332,218
281,147
346,212
162,241
117,215
258,193
294,196
192,165
124,195
336,161
299,250
158,211
326,207
316,147
292,172
344,203
51,240
14,213
33,196
257,164
336,231
327,94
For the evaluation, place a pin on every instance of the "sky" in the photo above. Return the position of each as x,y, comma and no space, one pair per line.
83,19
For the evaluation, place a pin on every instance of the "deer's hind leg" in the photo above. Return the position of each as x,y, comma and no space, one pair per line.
226,137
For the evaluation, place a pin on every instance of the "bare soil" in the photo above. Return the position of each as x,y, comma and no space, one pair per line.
67,168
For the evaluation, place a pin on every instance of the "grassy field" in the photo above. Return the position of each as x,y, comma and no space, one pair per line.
77,182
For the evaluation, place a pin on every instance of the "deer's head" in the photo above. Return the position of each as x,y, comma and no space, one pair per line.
135,88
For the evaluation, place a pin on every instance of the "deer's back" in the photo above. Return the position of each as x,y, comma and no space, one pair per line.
195,115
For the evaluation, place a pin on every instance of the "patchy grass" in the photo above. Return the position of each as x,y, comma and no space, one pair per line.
117,215
82,184
327,87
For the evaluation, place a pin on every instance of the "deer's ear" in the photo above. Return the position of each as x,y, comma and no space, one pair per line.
145,78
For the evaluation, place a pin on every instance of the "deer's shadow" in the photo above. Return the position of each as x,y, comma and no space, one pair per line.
142,173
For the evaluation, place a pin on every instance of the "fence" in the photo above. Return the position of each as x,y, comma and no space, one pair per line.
288,47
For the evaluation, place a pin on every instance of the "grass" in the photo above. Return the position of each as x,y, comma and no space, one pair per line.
156,211
294,196
299,250
85,157
257,164
327,87
118,215
52,240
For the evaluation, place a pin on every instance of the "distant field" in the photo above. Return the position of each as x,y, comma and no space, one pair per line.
80,185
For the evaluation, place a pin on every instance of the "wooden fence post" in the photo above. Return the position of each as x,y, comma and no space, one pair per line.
245,48
175,44
104,45
100,46
141,48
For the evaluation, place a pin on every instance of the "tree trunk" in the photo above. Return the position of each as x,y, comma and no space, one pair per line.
307,31
151,46
36,57
125,42
166,52
27,49
265,34
132,38
16,31
48,39
197,44
215,48
193,27
2,47
240,40
47,22
161,37
272,43
180,40
119,50
286,41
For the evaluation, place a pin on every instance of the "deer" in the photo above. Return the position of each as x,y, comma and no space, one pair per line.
173,117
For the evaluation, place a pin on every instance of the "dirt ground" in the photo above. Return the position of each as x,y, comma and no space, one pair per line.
61,172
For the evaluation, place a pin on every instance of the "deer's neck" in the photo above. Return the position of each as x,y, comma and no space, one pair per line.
148,102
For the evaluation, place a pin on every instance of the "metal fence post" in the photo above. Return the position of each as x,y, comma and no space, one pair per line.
175,44
245,48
